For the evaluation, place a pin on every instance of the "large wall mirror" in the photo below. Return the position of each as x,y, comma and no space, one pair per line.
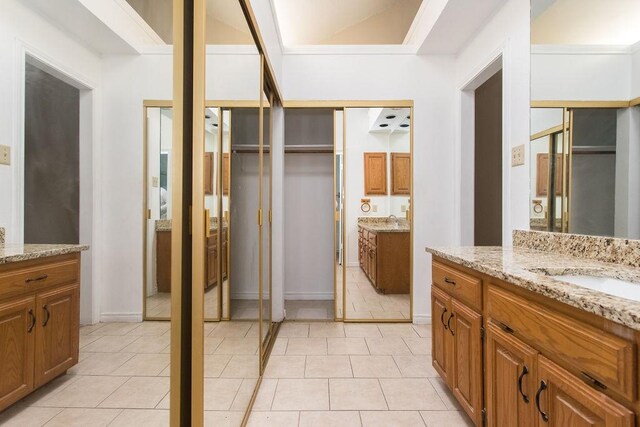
585,120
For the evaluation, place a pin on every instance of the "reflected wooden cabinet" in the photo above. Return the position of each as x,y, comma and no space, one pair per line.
39,323
226,170
384,258
542,175
375,174
208,173
400,174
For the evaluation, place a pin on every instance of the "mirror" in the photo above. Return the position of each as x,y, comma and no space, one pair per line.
265,196
585,119
377,222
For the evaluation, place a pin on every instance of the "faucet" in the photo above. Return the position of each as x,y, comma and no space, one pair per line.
394,219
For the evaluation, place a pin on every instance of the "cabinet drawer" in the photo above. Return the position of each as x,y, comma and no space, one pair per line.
33,275
460,285
598,356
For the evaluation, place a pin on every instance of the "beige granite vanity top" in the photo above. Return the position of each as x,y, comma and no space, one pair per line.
165,225
383,225
530,269
15,253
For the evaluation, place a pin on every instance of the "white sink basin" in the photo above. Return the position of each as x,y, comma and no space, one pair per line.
607,285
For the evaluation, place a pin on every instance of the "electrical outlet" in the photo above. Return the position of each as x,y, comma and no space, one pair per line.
403,208
5,155
155,181
374,208
517,155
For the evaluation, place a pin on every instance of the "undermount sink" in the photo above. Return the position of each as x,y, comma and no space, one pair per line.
607,285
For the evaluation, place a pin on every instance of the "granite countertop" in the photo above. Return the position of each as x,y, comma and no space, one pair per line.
530,269
165,225
15,253
385,228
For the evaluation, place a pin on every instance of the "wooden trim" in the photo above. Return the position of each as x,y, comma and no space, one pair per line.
157,103
348,104
209,103
547,132
634,102
579,104
260,213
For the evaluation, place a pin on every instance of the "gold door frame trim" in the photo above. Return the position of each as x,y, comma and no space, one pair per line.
546,132
209,103
340,104
259,213
580,104
634,102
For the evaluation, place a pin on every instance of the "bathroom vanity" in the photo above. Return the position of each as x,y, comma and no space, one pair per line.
383,254
518,345
39,316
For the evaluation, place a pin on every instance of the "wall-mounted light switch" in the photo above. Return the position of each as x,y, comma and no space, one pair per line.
517,155
155,181
5,155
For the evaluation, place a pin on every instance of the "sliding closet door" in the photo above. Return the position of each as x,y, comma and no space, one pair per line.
265,223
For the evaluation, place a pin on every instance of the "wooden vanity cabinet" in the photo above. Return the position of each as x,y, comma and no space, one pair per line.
39,323
441,338
384,258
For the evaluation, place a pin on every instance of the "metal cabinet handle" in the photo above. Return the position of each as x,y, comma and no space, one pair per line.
543,387
33,321
37,279
442,319
506,328
449,324
524,372
592,381
47,315
450,281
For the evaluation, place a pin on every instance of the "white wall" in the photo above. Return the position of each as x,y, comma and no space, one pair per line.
24,32
429,82
627,197
503,41
635,71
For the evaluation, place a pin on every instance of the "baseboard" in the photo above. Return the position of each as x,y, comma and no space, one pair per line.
121,317
244,295
421,319
306,296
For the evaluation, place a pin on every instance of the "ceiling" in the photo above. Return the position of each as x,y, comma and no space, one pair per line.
340,22
585,22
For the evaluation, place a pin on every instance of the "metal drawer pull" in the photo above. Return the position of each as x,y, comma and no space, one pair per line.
37,279
506,328
524,372
47,315
450,281
449,324
543,387
592,381
442,319
33,321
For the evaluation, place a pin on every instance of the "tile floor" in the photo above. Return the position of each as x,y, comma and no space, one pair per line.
329,373
363,302
310,309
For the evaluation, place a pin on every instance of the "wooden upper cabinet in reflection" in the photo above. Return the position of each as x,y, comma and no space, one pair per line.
375,174
208,173
542,175
400,174
225,174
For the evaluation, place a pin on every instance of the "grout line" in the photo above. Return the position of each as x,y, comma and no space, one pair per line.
383,394
114,418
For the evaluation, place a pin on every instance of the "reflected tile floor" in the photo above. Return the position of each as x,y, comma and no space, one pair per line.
159,305
122,378
363,302
367,374
309,309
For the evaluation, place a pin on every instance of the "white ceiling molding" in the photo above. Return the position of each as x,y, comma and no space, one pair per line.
276,23
572,49
350,50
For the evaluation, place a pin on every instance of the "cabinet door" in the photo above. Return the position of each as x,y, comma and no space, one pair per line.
465,328
511,384
375,173
564,400
400,173
17,329
57,332
441,338
208,173
226,168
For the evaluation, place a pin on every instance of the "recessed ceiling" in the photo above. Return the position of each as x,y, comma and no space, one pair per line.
344,22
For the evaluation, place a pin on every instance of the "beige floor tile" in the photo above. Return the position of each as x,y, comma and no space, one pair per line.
138,392
445,394
109,344
235,345
148,344
356,394
214,364
418,346
397,330
326,330
306,346
231,329
48,390
223,418
361,330
273,419
313,314
280,346
374,367
144,365
209,326
115,329
301,395
392,346
391,418
21,416
265,395
411,394
285,367
85,392
328,367
446,418
211,344
220,392
82,417
415,366
347,346
242,367
165,403
294,329
330,418
87,339
142,418
423,330
254,330
87,329
151,328
100,363
244,395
